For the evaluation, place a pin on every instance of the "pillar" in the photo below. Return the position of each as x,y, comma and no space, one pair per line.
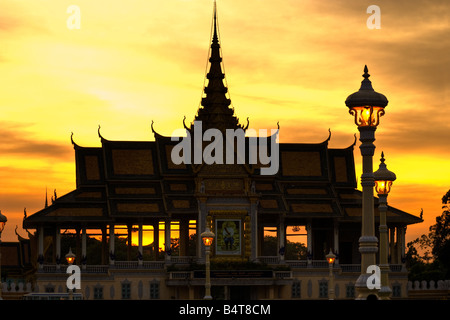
184,237
336,241
281,239
140,252
41,247
112,256
255,247
83,248
78,246
392,252
156,239
129,229
58,248
398,241
167,243
104,246
309,241
401,231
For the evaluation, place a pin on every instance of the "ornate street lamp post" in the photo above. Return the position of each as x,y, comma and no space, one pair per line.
70,258
2,226
330,258
367,106
383,182
207,238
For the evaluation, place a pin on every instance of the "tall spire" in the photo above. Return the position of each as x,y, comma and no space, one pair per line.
215,111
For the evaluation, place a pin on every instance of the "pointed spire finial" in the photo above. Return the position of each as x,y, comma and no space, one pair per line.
46,199
366,84
215,111
215,36
382,157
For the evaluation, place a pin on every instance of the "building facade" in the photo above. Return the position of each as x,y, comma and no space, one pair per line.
134,189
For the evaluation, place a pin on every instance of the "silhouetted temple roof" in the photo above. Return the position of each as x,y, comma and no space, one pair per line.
126,181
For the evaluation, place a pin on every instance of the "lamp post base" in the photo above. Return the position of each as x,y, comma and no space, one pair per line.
385,293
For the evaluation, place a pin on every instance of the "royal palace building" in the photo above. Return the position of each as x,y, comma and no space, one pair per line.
130,191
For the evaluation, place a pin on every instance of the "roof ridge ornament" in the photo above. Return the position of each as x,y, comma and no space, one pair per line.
75,145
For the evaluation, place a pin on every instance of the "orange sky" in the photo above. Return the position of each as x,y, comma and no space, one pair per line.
290,61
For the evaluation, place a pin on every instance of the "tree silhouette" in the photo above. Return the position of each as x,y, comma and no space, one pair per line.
433,262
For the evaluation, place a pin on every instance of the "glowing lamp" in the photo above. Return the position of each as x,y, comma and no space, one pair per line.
383,178
330,257
2,222
70,257
366,105
207,237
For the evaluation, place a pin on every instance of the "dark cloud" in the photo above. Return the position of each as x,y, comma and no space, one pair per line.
15,141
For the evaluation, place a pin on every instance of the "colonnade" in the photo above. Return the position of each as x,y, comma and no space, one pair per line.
109,235
396,243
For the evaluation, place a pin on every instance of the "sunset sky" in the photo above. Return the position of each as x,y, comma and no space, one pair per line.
292,61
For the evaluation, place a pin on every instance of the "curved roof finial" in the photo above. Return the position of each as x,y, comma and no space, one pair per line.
329,135
184,123
153,130
99,134
73,142
248,123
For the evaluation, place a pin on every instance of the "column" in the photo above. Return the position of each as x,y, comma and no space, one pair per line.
184,237
167,244
156,239
281,239
336,241
83,248
129,229
140,252
392,245
309,241
112,256
78,246
41,247
398,254
404,249
104,246
402,245
254,229
58,248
